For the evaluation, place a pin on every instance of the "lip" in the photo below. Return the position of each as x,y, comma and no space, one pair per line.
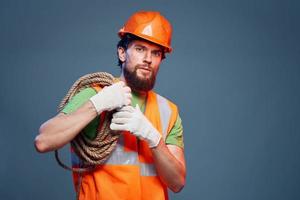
144,68
144,71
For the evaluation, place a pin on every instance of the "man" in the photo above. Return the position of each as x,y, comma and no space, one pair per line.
149,157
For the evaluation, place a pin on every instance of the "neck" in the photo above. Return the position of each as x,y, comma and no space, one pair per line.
142,95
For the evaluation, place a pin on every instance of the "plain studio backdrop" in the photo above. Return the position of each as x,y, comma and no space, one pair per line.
234,73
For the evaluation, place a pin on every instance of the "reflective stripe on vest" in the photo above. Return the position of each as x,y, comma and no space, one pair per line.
121,157
165,114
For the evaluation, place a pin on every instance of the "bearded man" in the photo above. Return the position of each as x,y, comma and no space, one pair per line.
149,156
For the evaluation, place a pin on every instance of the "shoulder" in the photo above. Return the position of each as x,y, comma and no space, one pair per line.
78,99
85,93
161,100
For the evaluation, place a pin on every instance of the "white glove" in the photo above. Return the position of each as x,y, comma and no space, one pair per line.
112,97
133,120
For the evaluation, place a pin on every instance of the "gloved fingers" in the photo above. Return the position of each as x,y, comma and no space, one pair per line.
119,84
127,99
128,95
127,89
129,109
122,93
122,114
126,92
120,120
114,87
118,127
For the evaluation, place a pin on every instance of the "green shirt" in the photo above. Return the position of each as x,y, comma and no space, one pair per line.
175,137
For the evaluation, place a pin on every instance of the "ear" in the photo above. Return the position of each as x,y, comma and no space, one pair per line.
122,54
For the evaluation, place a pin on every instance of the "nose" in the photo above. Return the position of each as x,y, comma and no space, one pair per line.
148,57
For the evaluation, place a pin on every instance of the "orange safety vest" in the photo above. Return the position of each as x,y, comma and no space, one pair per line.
129,173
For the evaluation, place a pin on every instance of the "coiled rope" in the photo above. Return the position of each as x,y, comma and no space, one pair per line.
96,151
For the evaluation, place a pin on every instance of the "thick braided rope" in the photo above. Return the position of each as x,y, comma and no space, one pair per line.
96,151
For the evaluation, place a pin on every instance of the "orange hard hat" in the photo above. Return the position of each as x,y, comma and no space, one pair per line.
151,26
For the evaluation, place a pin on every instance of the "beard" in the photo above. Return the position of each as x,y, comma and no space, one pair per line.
137,83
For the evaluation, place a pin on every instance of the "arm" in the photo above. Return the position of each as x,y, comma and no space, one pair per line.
170,165
61,129
168,159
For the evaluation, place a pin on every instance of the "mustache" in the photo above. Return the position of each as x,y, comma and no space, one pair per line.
143,66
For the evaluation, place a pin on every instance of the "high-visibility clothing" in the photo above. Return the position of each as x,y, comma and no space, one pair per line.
129,172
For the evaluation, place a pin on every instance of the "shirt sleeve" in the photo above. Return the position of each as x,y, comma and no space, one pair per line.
175,137
78,100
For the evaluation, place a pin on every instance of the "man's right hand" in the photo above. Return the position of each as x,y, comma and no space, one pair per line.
112,97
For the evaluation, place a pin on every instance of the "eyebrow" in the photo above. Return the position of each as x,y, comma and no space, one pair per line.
143,46
140,45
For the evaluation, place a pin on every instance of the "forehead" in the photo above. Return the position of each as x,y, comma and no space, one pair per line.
146,44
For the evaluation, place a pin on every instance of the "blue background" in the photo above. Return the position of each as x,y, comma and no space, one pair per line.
234,74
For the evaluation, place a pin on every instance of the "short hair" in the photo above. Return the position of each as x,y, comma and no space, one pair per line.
126,40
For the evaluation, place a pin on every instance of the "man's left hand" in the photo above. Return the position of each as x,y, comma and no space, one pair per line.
133,120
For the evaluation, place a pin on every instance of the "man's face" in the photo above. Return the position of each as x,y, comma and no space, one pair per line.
142,60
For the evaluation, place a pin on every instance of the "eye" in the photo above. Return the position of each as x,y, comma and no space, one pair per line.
139,49
156,53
